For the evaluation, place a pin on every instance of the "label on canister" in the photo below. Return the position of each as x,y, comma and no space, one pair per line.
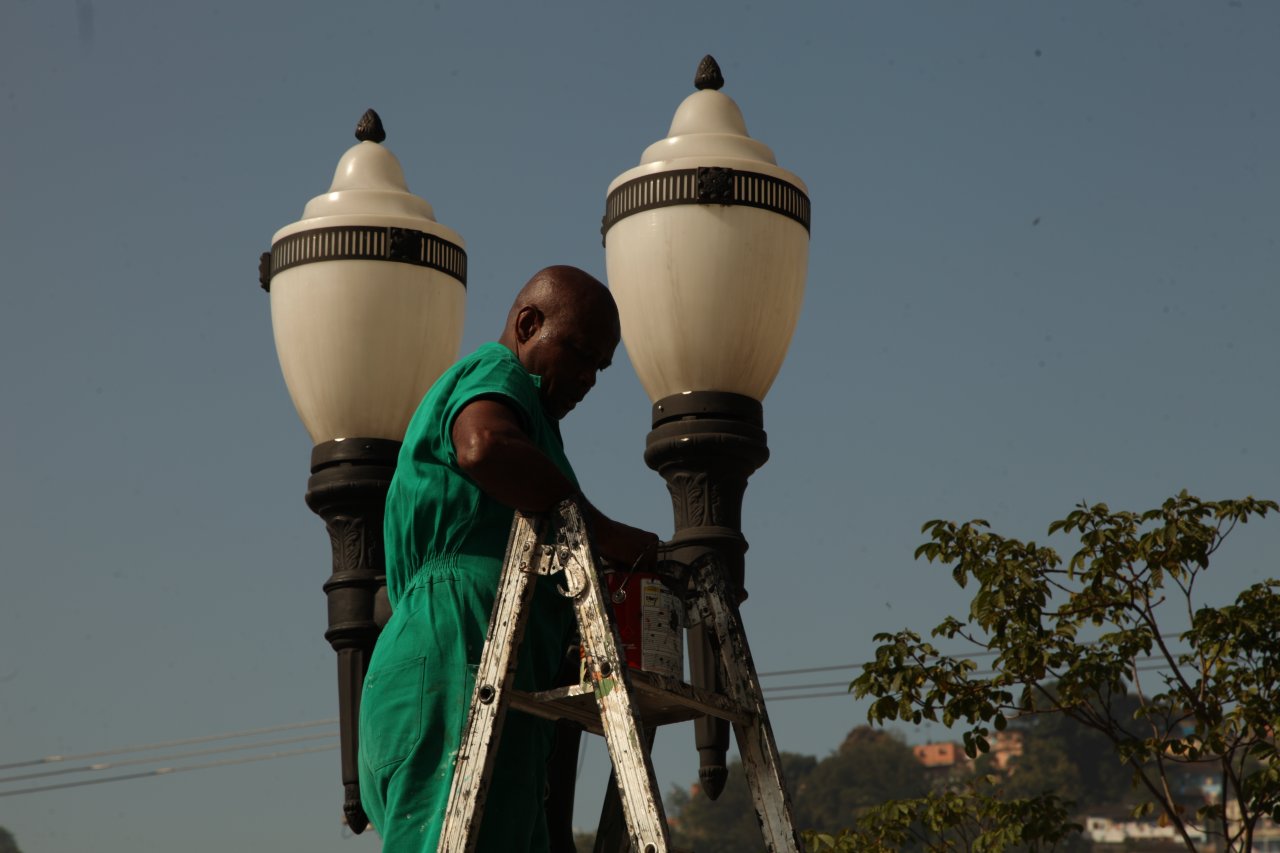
649,619
662,637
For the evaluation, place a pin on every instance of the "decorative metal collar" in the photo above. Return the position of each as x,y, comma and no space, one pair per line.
705,185
367,243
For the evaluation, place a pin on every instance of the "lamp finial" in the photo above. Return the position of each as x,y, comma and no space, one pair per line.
369,128
708,75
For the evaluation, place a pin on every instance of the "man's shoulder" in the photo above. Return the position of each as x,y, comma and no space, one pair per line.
489,353
492,370
490,365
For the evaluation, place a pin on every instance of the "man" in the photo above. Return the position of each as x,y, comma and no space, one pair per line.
484,441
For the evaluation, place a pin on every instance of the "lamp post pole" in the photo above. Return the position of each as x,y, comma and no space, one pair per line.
348,490
705,445
706,244
367,300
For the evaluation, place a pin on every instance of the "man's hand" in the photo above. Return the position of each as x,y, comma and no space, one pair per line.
626,545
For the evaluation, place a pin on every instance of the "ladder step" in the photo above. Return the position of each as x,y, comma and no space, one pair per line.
661,700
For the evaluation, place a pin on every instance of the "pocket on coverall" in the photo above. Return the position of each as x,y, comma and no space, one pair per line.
393,696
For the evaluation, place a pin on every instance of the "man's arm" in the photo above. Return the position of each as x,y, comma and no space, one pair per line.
496,453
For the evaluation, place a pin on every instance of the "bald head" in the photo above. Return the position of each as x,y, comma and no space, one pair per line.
563,326
565,293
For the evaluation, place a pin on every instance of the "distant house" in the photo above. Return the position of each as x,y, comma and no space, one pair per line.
1266,833
943,756
1105,830
1006,746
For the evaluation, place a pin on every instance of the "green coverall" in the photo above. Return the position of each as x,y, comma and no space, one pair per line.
445,543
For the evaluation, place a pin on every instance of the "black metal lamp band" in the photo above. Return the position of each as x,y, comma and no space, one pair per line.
365,243
703,405
705,185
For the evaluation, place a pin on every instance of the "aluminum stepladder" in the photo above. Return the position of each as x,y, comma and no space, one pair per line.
613,700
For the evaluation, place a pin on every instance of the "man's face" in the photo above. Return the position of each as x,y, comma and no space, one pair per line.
568,353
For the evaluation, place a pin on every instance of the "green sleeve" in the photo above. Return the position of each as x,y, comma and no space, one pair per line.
502,379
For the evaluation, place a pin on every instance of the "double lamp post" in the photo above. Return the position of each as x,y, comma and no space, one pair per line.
706,248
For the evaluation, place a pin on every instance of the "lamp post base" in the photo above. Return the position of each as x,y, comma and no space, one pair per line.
706,444
348,490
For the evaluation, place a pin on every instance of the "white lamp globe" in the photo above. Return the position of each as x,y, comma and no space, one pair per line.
368,294
706,250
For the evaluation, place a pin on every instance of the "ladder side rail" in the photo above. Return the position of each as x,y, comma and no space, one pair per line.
611,829
756,745
624,731
495,675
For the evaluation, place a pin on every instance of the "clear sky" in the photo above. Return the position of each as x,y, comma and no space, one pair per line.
1043,269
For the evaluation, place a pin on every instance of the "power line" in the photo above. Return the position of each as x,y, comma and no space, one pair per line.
807,670
977,654
166,771
844,684
987,673
111,765
810,696
50,759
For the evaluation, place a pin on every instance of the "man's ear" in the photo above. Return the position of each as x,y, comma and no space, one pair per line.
528,323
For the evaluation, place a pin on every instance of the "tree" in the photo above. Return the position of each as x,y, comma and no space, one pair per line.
1213,703
1044,767
727,825
968,817
1095,777
7,842
871,766
868,768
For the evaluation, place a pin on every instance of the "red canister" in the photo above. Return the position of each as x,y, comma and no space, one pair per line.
649,620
